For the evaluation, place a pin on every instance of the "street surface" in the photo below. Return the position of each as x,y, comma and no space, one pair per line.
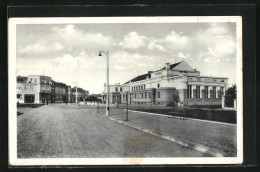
222,137
64,131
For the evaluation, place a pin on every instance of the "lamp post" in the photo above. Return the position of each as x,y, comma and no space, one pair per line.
107,97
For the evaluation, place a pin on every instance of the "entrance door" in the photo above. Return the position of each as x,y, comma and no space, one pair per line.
29,98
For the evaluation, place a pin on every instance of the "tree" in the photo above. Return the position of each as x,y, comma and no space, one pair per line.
175,97
232,91
92,98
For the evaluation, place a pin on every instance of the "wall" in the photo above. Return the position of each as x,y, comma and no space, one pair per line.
195,101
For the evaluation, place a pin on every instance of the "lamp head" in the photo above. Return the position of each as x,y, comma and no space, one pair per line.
100,54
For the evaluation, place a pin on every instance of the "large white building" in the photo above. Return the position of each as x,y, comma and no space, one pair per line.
162,86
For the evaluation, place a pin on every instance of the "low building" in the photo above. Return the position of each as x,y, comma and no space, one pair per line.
33,89
115,93
81,94
61,92
40,89
174,81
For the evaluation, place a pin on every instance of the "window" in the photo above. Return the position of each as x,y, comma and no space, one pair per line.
197,91
214,92
19,96
189,91
144,86
158,94
135,95
116,88
149,95
206,92
145,95
139,87
18,87
142,95
121,89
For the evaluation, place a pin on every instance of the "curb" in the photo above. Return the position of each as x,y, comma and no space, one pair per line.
190,145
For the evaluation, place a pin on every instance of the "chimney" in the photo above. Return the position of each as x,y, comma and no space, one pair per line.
167,65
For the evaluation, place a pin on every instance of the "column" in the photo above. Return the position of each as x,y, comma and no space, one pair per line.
210,89
192,88
201,88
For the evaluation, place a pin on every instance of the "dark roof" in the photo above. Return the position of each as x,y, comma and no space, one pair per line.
171,66
21,79
78,89
140,77
60,84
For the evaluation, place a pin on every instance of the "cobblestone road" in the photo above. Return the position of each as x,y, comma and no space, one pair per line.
60,131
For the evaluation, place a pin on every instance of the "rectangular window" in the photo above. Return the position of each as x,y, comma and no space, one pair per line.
145,95
158,94
149,95
214,92
19,96
116,89
189,91
121,89
197,91
142,95
206,92
144,86
135,95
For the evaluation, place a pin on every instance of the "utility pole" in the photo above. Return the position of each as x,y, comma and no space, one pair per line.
126,106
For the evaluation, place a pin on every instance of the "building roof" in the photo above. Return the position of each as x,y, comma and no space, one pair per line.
78,89
21,79
140,77
60,84
182,65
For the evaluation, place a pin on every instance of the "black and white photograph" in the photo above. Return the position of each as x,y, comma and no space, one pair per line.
125,90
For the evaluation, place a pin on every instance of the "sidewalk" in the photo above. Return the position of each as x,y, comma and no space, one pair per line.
217,138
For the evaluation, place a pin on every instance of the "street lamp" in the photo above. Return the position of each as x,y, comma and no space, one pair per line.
107,97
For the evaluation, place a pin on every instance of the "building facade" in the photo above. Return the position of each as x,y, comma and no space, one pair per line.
115,93
40,89
179,80
82,94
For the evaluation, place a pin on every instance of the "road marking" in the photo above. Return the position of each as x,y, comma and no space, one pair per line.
197,147
194,119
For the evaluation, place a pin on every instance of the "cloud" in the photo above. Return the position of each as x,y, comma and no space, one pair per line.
153,45
183,56
215,44
40,48
119,67
133,41
175,39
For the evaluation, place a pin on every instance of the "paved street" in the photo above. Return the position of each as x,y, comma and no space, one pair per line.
57,130
217,136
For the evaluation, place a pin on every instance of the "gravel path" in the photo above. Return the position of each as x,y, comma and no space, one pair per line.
60,131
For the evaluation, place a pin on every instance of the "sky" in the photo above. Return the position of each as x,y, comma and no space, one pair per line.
69,52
